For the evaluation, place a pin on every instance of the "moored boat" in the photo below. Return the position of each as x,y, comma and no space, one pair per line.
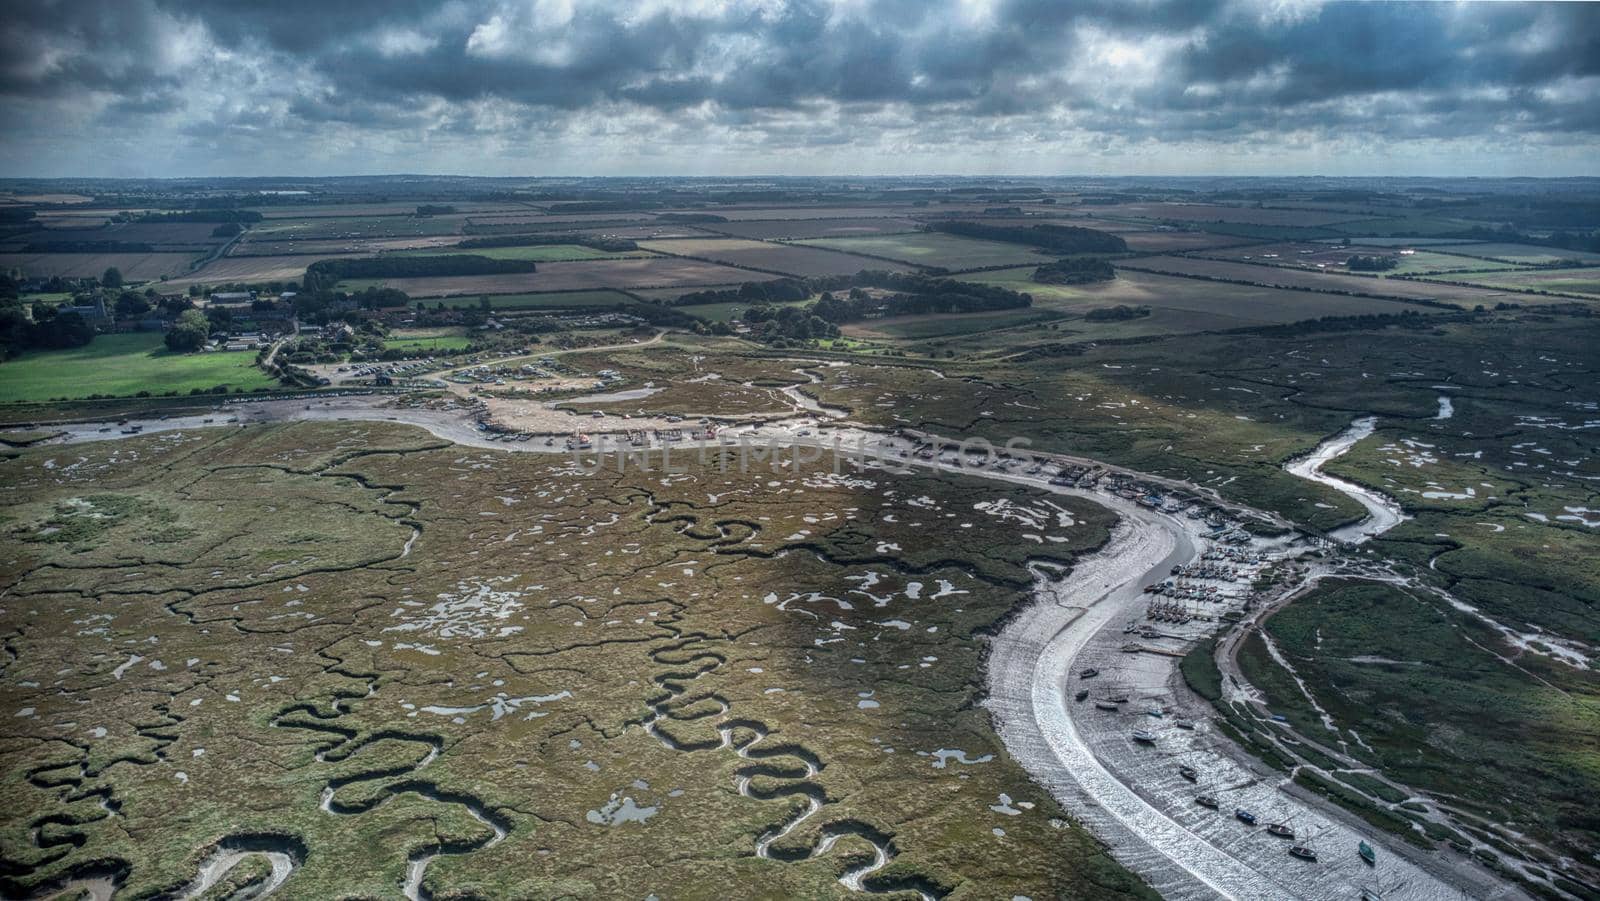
1089,673
1367,854
1281,830
1082,694
1148,738
1304,852
1245,816
1207,801
1189,773
1106,705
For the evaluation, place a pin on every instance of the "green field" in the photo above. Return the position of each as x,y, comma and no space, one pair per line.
549,300
918,327
930,249
1562,281
123,365
422,340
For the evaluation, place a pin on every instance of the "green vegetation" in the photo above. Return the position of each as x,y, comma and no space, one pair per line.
1058,239
125,365
1416,690
416,659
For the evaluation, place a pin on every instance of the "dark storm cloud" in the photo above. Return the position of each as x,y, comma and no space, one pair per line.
1121,70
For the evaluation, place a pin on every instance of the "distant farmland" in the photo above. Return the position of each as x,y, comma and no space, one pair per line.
789,259
813,228
135,267
1316,281
663,272
1240,304
932,249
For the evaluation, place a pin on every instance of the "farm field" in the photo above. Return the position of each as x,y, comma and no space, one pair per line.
554,300
543,253
1529,254
231,269
399,209
790,229
1285,277
314,228
1177,242
1240,304
1202,213
760,255
915,328
579,275
1308,255
250,246
1585,281
122,366
135,267
933,249
1422,225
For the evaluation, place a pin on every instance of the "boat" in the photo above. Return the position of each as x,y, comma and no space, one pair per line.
1141,735
1089,673
1369,894
1156,712
1106,705
1281,830
1304,852
1367,854
1118,699
1082,694
1184,724
1207,801
1245,816
1189,773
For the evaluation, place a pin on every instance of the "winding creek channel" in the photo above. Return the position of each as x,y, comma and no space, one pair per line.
1128,792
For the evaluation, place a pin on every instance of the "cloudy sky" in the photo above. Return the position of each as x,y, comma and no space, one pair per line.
568,87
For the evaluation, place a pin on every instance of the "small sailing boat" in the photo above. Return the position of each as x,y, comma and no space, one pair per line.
1144,737
1189,773
1089,673
1367,854
1082,695
1245,816
1304,852
1207,801
1281,830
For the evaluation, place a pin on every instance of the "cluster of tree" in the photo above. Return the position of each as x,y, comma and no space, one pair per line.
598,242
1075,271
189,332
1374,263
780,290
1118,313
435,209
775,325
227,230
1062,239
324,274
201,216
925,297
44,330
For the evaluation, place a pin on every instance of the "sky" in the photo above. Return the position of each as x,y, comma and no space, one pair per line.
166,88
